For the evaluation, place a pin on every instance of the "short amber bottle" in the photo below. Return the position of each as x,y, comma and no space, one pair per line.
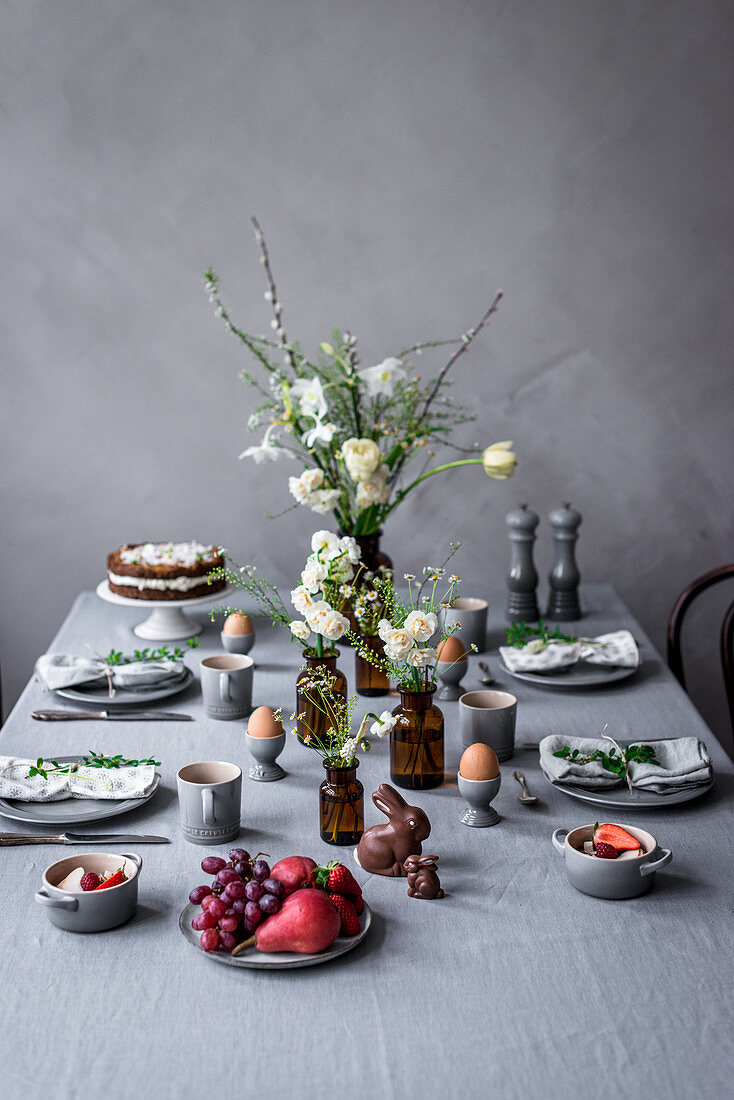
314,721
416,741
341,805
370,681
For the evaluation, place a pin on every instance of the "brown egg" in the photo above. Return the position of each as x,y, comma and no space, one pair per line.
238,623
450,650
479,762
263,723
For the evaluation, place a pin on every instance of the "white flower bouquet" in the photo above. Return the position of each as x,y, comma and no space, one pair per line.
354,429
339,744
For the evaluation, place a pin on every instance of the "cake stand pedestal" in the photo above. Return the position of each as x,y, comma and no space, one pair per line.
167,621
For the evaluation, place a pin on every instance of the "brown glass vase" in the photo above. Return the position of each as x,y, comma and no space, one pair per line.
370,681
314,721
341,805
416,741
372,556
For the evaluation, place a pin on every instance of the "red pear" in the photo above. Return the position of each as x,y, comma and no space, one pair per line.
306,922
294,872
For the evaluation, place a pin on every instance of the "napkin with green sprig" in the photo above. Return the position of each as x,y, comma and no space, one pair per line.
661,767
144,670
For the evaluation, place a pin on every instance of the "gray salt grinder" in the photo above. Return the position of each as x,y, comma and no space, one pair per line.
564,577
522,579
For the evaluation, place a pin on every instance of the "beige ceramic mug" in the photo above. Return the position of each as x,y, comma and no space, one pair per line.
489,716
209,796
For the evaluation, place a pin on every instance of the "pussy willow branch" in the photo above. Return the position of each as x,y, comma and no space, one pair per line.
277,308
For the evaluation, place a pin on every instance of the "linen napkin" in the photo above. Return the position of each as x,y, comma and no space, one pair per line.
684,764
617,649
109,783
60,670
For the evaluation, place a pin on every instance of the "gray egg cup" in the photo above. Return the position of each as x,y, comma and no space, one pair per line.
479,793
266,750
237,643
450,676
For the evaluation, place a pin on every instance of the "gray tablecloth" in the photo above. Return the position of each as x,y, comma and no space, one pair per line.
514,985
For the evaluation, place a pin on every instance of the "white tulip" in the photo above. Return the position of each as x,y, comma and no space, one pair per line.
500,460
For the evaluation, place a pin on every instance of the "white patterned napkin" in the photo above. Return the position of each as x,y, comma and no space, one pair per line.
111,783
618,649
684,764
61,670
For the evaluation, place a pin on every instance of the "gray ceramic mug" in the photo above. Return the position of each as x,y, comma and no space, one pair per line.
489,716
470,615
209,797
226,686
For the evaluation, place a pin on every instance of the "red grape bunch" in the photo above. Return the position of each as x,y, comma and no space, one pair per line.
241,895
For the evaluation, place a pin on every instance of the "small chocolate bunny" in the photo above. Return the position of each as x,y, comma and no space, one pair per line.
423,882
384,849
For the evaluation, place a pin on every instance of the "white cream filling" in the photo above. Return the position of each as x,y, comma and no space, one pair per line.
168,553
178,584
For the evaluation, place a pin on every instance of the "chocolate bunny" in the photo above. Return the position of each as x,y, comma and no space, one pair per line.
423,882
384,849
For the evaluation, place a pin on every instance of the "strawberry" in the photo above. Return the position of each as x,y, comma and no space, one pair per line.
113,880
90,881
618,837
346,910
335,878
359,903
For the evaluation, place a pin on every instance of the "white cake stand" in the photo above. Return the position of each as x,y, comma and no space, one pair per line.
167,621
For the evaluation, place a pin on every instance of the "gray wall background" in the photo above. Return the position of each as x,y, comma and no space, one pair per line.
404,159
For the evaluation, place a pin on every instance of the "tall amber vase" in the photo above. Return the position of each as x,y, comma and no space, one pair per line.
341,805
314,719
370,681
416,741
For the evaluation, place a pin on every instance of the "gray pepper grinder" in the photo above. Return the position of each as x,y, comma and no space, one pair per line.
522,579
564,577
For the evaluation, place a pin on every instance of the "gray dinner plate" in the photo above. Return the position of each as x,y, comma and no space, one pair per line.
580,675
621,798
71,811
252,959
97,695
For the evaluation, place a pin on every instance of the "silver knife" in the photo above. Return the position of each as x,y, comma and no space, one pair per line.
9,839
111,715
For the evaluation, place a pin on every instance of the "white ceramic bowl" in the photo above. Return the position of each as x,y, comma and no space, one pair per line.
93,910
610,878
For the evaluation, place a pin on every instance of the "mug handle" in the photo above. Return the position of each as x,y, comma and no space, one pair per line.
67,902
558,838
207,806
224,693
655,864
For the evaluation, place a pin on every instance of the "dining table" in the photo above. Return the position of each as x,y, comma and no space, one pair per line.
513,985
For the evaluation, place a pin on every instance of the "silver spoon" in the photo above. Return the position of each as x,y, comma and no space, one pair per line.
527,798
488,678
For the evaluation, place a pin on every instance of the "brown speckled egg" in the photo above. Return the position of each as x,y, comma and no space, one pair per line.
450,650
263,723
479,762
237,623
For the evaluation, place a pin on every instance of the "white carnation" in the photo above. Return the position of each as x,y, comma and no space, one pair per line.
421,625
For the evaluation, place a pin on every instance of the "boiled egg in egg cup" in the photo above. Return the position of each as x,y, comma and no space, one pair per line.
238,633
479,781
265,738
451,668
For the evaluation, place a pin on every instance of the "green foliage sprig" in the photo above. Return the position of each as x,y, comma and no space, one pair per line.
519,634
616,761
117,657
92,759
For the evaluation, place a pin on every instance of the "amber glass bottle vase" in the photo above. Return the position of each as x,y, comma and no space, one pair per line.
341,805
416,741
370,681
314,720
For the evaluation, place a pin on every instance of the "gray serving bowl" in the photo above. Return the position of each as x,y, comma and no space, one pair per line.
610,878
95,910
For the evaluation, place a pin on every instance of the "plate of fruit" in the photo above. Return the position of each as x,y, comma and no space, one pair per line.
292,914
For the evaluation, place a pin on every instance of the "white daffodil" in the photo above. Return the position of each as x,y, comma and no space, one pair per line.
375,490
304,486
320,433
334,626
361,458
420,658
384,629
317,615
300,630
382,378
384,724
398,645
325,544
500,460
314,574
350,547
421,625
323,501
310,397
301,599
267,451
